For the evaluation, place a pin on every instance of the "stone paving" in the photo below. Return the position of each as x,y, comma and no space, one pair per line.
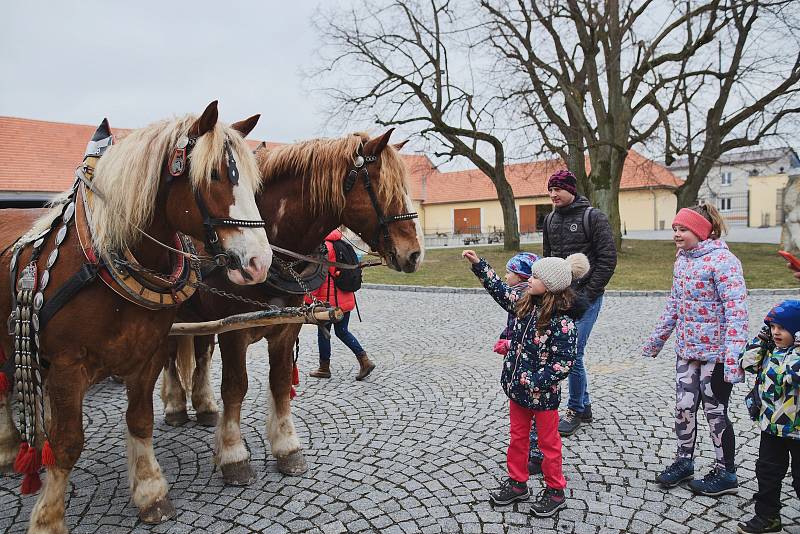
417,446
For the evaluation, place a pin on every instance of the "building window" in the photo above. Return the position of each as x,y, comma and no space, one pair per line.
724,204
725,178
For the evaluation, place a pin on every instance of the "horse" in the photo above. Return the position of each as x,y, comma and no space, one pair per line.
309,189
192,175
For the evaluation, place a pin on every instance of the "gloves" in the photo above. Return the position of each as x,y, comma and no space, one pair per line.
502,346
765,335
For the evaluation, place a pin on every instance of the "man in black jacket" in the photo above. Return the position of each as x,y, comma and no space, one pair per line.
575,226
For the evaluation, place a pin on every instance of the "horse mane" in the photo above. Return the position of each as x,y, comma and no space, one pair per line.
326,162
129,173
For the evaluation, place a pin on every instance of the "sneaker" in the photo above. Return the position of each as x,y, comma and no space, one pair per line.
586,414
680,470
534,466
570,423
510,491
759,524
548,502
718,482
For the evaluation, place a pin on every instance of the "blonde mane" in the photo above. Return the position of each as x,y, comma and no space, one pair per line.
326,162
129,173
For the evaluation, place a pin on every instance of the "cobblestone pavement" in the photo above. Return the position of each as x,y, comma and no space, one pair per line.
417,446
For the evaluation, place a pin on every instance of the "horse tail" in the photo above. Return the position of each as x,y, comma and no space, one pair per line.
185,361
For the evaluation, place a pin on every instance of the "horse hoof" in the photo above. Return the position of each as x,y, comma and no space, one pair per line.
207,418
293,465
158,512
176,418
238,473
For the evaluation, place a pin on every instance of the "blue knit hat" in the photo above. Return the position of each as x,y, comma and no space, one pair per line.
521,264
786,315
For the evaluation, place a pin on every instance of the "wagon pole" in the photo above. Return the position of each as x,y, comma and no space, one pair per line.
240,321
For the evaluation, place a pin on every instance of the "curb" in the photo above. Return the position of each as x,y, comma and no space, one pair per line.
609,293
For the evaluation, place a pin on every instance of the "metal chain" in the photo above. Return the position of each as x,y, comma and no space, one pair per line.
222,293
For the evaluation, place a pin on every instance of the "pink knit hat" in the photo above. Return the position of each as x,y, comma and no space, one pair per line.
699,225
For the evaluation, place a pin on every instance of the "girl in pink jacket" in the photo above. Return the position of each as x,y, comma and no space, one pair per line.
707,310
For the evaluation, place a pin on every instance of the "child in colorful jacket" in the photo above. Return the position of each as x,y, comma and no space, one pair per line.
518,271
542,349
708,311
774,356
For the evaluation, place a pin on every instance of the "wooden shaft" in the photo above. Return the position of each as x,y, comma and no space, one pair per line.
256,319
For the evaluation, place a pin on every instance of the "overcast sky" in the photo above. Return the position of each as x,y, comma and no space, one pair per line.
137,62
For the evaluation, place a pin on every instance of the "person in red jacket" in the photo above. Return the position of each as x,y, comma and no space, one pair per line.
346,301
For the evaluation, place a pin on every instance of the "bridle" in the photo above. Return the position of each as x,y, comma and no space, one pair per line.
360,163
177,167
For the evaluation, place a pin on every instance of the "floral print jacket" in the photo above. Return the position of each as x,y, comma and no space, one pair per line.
707,308
535,364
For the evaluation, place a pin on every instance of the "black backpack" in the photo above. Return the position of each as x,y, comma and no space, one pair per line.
348,279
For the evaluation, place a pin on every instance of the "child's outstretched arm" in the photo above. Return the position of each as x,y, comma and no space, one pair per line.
755,351
664,326
732,292
502,293
561,347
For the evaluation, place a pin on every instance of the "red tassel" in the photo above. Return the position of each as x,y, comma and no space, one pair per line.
48,458
295,375
31,483
5,385
23,461
292,393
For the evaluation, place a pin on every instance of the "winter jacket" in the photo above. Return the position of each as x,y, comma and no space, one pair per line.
779,388
504,342
328,290
707,308
565,235
535,365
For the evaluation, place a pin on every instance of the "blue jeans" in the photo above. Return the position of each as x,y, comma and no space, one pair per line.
578,381
340,328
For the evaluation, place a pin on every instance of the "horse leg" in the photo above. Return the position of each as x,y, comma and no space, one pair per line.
147,483
9,437
205,405
280,427
173,394
66,387
230,452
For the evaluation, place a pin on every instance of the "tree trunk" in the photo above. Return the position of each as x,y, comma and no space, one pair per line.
605,177
790,236
510,225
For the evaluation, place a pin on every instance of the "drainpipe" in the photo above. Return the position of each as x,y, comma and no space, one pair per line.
655,211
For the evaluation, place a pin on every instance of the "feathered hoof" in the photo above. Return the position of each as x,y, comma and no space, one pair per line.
293,465
207,418
238,473
176,418
158,512
54,528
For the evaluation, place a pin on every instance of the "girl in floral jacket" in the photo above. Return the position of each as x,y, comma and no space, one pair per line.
708,311
542,349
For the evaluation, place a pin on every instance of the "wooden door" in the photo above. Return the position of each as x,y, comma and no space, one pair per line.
467,221
527,218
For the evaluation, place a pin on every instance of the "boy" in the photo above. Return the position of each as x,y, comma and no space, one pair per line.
775,356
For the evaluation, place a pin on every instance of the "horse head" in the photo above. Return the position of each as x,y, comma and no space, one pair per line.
212,178
378,207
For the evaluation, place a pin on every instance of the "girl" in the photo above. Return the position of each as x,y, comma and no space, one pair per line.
518,271
708,311
541,351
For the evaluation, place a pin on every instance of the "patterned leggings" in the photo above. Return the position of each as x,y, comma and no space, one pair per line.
698,382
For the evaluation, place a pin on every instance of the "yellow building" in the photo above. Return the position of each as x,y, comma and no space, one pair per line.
765,199
465,202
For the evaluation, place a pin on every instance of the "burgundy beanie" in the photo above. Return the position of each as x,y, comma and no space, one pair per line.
699,225
565,180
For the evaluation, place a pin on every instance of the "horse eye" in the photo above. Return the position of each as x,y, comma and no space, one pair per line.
215,175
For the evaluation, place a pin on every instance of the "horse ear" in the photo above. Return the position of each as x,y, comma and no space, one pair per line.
246,126
399,146
376,146
206,122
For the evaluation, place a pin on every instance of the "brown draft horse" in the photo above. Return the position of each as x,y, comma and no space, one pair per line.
303,199
98,332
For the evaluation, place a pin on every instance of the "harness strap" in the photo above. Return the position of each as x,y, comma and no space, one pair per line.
85,275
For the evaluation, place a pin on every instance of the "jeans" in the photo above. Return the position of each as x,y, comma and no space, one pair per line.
578,381
346,337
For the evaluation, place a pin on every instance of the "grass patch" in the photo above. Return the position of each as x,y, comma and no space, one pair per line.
642,265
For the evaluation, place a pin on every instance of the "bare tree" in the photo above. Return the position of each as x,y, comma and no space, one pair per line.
750,91
596,78
407,63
